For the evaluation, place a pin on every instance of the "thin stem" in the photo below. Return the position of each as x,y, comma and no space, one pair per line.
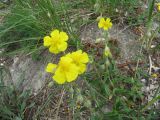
149,23
150,12
157,91
60,101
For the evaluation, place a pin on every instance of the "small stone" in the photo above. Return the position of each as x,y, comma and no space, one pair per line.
156,69
2,64
153,46
143,81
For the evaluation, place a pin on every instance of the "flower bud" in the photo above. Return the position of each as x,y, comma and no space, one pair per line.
149,34
107,52
80,98
154,75
87,104
50,84
98,18
107,63
49,15
102,67
71,90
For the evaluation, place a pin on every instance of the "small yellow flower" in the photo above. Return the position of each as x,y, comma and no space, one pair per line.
105,24
51,68
154,75
79,59
66,71
56,41
158,6
107,52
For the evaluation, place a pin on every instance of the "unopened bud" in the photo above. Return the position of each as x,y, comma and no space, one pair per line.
71,90
50,84
80,98
102,67
98,18
107,63
87,104
107,52
149,34
48,14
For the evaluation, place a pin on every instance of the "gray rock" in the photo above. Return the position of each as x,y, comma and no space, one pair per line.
27,74
128,42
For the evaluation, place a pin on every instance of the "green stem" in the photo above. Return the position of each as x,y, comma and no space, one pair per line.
151,7
157,91
149,22
151,102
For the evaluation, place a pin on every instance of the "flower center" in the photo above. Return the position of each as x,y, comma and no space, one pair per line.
64,66
105,24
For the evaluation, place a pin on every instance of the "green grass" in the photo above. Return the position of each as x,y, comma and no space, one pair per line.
36,19
29,20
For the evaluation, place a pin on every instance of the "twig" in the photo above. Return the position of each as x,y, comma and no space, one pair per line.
60,101
150,65
129,62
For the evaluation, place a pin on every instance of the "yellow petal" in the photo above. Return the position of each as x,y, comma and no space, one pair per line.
72,73
78,52
63,36
76,56
59,76
105,27
65,61
53,49
79,57
62,46
55,33
68,55
109,25
159,7
47,41
82,68
51,67
84,57
108,20
101,23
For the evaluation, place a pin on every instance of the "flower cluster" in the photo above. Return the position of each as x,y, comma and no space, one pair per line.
105,23
56,41
69,67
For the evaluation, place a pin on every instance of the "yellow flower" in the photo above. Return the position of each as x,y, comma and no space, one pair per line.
56,41
154,75
51,68
107,52
69,67
105,24
79,59
158,6
66,71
